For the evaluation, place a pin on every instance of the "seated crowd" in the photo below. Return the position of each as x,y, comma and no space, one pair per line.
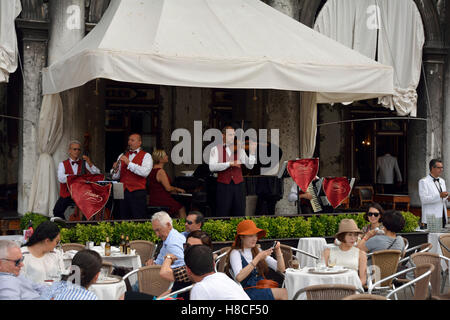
187,259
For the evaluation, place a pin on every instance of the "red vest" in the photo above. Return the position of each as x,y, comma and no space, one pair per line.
231,173
63,190
130,180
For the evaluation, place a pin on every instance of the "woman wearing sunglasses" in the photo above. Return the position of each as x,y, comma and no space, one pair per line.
42,262
373,215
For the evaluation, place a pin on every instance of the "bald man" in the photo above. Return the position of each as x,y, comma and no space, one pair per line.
132,169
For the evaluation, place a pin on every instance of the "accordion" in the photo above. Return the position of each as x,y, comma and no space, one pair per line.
319,200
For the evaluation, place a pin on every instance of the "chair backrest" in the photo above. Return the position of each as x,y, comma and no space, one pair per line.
406,246
220,264
387,261
365,194
421,258
150,282
444,242
329,291
288,255
108,267
364,296
72,246
144,249
421,282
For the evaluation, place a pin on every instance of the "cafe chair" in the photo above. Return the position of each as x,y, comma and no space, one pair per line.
327,291
150,282
421,282
386,263
173,294
72,246
365,195
288,254
364,296
220,261
145,249
108,267
437,286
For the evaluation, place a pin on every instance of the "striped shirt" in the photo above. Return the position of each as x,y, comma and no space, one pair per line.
63,290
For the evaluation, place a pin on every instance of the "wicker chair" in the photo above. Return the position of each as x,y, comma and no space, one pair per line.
108,266
421,258
387,262
421,282
327,291
73,246
364,296
288,255
444,242
145,249
221,259
150,282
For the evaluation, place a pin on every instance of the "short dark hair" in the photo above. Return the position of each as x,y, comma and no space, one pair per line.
393,221
199,259
202,235
224,129
46,230
199,217
376,206
90,263
433,162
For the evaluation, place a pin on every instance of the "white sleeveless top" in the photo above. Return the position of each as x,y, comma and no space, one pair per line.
348,259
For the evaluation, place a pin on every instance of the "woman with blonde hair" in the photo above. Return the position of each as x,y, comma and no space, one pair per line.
250,264
160,188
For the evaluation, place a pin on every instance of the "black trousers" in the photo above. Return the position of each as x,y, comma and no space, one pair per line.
61,206
230,200
134,205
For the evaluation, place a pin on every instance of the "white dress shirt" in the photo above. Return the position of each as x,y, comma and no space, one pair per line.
215,165
387,165
142,170
62,176
218,286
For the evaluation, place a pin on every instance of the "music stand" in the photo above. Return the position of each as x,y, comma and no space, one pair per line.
282,174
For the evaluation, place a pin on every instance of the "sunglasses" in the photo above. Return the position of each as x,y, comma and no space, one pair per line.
189,222
375,214
16,262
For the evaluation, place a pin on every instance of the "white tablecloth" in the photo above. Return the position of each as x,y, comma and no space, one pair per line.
299,279
433,238
311,245
108,291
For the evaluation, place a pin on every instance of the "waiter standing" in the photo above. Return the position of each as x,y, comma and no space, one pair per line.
433,193
70,166
226,161
132,168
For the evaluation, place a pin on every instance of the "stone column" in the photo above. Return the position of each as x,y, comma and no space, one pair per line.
427,140
67,28
34,48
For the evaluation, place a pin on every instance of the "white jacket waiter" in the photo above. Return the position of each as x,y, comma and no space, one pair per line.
433,193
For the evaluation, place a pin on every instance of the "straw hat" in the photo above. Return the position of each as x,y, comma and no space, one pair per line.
348,225
248,227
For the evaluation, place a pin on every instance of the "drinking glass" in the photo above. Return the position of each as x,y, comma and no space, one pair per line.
331,262
294,264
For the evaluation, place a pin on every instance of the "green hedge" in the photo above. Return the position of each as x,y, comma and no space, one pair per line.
277,227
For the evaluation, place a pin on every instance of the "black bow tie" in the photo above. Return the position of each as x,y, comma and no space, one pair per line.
435,179
131,152
76,162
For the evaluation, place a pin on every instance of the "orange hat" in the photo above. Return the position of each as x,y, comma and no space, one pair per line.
247,228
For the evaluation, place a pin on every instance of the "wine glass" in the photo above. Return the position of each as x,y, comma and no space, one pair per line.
331,261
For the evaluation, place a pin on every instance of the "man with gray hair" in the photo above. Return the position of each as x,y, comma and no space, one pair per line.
71,166
173,240
14,286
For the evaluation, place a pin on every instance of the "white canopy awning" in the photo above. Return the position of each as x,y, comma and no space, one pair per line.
9,11
216,43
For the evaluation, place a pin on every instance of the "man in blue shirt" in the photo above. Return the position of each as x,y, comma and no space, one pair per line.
12,285
172,240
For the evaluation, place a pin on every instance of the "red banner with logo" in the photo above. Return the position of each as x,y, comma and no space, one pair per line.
89,196
303,171
336,189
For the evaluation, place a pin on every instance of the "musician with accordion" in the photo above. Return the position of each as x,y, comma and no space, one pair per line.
74,165
308,199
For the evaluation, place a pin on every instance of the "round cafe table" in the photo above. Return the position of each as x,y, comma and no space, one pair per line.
302,278
313,245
